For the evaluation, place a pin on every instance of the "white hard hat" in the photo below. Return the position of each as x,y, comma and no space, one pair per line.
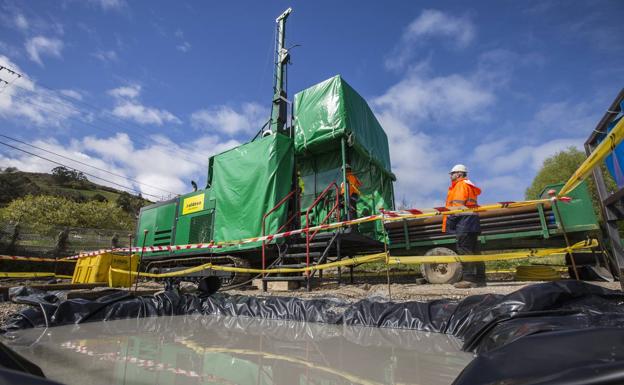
459,168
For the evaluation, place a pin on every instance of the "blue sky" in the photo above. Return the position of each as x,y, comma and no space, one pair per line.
149,90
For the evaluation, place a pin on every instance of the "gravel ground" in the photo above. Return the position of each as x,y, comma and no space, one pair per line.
8,308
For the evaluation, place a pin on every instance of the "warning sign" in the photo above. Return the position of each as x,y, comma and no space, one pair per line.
193,204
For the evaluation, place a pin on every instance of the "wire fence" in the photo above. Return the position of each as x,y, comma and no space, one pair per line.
57,242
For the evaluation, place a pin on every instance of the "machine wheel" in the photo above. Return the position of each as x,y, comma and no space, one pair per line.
442,272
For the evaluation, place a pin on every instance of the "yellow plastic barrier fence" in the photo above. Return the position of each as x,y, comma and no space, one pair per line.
381,257
560,269
598,155
491,257
209,266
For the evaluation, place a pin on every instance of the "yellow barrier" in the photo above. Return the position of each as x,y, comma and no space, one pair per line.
598,155
96,269
209,266
492,257
381,257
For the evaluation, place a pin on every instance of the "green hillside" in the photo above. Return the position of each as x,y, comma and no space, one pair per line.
64,183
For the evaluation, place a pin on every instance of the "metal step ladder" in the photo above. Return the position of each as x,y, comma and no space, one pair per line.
296,256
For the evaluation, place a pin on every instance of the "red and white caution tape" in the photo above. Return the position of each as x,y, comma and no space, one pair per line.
425,213
385,216
31,259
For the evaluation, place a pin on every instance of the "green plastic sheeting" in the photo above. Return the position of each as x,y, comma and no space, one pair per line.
247,182
332,110
321,170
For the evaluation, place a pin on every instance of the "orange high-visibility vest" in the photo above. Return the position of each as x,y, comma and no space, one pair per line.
354,184
462,192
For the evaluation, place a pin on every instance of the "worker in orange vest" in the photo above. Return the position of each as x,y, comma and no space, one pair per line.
466,226
354,190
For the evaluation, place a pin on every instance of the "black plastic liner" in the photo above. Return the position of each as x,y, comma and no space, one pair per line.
526,337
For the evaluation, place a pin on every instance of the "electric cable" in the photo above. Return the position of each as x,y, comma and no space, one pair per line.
83,121
12,72
75,169
71,106
88,165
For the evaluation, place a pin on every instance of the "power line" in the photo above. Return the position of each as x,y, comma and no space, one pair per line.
88,165
188,156
75,169
12,72
25,100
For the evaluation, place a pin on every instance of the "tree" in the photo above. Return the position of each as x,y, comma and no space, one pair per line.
15,185
559,168
64,176
130,203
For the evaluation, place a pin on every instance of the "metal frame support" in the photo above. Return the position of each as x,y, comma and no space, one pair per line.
345,195
608,201
280,103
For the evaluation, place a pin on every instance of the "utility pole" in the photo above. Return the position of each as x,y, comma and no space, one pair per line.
280,102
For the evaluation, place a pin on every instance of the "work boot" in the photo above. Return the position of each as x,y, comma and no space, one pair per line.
468,285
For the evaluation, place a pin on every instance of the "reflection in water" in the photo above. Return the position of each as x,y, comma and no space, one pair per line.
198,349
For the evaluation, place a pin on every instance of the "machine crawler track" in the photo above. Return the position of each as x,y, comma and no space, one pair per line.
228,279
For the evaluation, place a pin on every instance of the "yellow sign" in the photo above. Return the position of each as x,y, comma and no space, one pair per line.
193,204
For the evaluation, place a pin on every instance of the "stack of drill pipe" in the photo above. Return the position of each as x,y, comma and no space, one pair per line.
497,221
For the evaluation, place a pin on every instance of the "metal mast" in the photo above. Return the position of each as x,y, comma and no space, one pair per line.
280,102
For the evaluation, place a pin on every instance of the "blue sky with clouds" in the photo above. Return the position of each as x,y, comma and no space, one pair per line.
148,90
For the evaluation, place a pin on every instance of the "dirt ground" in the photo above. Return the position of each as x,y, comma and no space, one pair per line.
349,292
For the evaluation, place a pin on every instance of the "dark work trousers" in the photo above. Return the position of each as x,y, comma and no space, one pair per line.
468,244
353,199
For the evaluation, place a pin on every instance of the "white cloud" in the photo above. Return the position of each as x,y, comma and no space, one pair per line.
131,92
107,5
106,56
510,166
144,115
431,24
224,119
26,103
450,97
184,47
21,22
72,94
41,45
418,166
129,107
426,118
564,117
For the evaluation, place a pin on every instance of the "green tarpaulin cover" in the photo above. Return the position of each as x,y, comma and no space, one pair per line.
247,182
330,110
